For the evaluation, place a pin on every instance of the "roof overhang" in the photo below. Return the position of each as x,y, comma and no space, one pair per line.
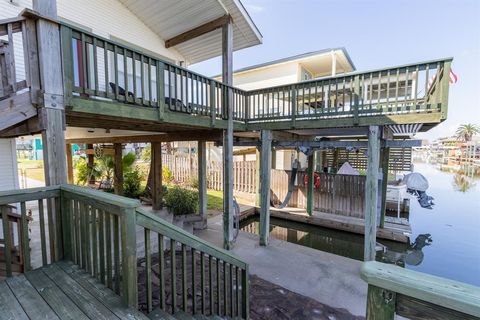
169,19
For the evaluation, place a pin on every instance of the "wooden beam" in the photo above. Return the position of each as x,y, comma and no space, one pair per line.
69,164
371,193
202,135
202,180
157,183
91,162
198,31
265,172
227,77
344,144
16,109
25,128
243,152
118,169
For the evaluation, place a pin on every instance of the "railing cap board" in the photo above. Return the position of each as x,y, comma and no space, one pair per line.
20,195
448,293
109,198
154,223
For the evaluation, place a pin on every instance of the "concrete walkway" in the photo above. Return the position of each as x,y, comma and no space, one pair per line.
328,278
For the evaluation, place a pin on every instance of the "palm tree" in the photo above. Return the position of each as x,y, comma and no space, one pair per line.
465,132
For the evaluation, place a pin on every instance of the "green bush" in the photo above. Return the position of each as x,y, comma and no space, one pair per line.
167,175
132,183
181,201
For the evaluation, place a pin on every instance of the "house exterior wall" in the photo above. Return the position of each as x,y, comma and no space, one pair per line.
8,165
267,77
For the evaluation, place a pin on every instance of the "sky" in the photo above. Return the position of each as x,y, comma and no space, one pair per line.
376,34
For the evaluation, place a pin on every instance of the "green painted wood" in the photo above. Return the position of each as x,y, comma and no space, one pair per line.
380,304
9,306
440,291
25,238
173,274
43,242
108,245
148,269
225,290
129,258
161,270
371,192
54,296
181,315
218,287
245,294
99,196
67,63
101,245
84,300
184,277
210,283
232,289
111,300
8,241
194,282
311,180
202,179
265,168
150,221
202,282
30,300
19,195
66,212
116,254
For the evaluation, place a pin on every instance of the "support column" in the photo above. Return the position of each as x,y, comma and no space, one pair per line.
90,164
118,169
385,159
156,168
227,78
371,192
265,172
202,180
52,114
311,178
68,148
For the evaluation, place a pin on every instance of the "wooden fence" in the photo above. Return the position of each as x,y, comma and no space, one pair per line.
339,194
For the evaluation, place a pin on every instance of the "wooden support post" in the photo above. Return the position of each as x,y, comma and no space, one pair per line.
380,304
68,148
385,159
335,160
371,192
90,164
156,167
311,178
202,179
257,178
118,169
227,77
265,171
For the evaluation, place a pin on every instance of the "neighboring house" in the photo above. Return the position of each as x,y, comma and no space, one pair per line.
8,165
302,67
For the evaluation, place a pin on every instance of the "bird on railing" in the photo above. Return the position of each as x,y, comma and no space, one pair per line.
121,91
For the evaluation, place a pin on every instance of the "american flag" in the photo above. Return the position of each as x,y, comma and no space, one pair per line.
453,79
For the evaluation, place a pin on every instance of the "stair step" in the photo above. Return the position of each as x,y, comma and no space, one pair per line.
159,314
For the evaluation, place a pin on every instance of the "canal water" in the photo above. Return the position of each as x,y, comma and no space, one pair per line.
445,240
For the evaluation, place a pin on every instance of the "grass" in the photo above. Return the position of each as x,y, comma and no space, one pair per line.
215,200
33,169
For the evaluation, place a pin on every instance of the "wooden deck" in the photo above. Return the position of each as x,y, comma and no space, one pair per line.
60,291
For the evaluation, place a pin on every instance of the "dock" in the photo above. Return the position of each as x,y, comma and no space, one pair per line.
395,229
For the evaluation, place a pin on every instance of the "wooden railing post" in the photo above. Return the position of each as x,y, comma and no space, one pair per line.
356,98
160,89
444,89
213,109
66,213
380,304
67,63
129,257
294,105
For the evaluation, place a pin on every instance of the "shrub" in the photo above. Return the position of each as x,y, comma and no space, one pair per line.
132,183
181,201
193,182
167,175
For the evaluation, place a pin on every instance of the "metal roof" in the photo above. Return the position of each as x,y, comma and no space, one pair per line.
169,18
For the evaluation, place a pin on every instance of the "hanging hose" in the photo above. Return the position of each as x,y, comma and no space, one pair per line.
291,186
236,219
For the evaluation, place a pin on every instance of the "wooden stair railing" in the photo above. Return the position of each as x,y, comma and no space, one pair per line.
416,295
98,231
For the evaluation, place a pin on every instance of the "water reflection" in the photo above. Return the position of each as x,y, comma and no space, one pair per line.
413,255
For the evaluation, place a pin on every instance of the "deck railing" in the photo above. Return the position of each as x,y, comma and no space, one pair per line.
409,89
415,295
101,233
100,68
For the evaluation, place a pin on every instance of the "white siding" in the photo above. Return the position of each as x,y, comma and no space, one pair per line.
267,77
8,165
